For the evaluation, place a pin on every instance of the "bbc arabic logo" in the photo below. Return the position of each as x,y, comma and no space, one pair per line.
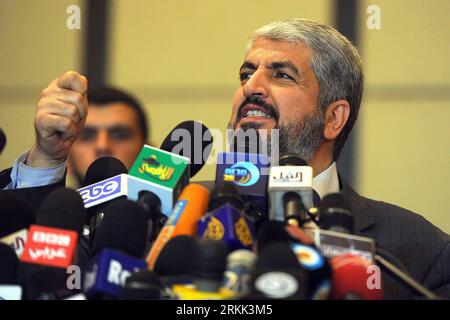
100,190
243,174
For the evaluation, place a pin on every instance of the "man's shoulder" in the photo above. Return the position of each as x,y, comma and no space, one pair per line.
385,212
422,247
401,222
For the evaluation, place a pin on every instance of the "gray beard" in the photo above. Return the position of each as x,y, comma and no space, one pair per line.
303,138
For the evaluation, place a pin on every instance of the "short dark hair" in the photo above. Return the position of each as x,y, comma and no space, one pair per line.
106,95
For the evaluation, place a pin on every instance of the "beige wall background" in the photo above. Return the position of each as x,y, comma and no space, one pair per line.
181,58
35,48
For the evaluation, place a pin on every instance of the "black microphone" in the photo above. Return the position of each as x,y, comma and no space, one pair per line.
197,146
151,203
174,262
142,285
17,213
8,266
63,209
124,228
208,264
16,217
335,214
278,275
103,168
207,267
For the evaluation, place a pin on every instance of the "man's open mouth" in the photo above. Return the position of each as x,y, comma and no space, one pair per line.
254,111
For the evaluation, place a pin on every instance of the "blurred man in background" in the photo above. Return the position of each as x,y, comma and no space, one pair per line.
116,126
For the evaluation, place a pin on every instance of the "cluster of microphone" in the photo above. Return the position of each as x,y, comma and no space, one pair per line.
149,233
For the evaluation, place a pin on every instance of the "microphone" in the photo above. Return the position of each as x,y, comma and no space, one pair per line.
240,265
142,285
16,215
208,264
334,243
290,190
119,244
170,167
207,268
51,245
52,240
351,279
161,172
107,275
309,258
8,266
2,140
336,234
62,209
9,290
248,172
335,214
124,228
152,206
278,275
197,146
173,263
191,205
102,169
224,220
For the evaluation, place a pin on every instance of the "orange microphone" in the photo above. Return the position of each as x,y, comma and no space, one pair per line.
190,207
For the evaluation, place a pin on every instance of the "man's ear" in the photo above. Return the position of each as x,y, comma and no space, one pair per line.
336,117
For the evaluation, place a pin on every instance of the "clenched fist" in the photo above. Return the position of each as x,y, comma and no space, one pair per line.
60,116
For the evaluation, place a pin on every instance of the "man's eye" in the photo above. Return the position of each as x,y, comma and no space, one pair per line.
282,75
244,76
88,135
120,134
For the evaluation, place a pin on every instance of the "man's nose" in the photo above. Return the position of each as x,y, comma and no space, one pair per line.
256,85
103,144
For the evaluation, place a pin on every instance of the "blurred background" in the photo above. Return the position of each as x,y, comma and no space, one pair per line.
181,59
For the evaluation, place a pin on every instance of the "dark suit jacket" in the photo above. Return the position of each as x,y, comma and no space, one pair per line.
34,195
422,248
